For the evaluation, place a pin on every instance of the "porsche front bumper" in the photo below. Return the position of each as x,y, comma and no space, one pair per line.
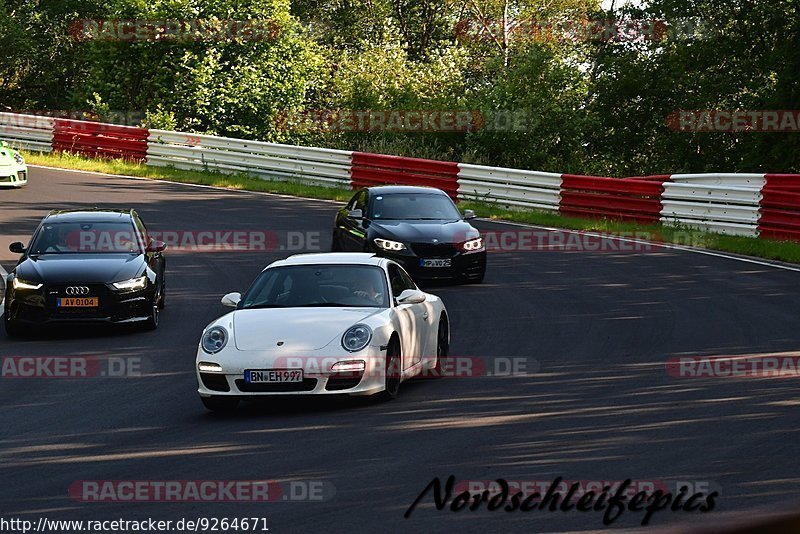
223,374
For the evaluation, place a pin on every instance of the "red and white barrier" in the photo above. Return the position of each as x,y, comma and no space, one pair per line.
763,205
95,139
378,169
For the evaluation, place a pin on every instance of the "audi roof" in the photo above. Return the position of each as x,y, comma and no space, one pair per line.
87,215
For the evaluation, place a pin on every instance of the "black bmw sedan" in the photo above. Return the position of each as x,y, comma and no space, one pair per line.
418,227
86,266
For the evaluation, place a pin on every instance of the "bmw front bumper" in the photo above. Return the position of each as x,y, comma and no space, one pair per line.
463,265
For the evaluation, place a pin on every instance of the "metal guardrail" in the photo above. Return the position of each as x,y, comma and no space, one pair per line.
511,187
28,132
731,203
315,166
726,209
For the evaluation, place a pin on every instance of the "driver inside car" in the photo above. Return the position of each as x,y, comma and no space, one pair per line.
367,288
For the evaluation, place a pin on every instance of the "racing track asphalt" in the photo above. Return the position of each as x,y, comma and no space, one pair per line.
599,326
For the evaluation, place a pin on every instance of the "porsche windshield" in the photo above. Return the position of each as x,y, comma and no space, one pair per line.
414,207
358,286
86,237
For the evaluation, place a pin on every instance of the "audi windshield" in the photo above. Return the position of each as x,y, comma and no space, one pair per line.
86,237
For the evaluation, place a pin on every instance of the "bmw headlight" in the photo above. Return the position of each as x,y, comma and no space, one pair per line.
356,338
473,245
214,339
19,159
19,283
132,284
386,244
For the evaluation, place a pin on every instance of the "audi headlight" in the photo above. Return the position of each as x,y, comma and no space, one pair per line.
386,244
18,158
132,284
214,339
356,338
19,283
473,245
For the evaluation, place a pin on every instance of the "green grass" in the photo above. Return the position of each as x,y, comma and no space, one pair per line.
681,235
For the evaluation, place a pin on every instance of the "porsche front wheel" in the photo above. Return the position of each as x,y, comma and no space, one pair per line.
393,373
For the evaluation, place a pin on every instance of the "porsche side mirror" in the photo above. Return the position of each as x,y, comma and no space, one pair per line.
17,248
469,214
355,214
232,299
156,246
411,296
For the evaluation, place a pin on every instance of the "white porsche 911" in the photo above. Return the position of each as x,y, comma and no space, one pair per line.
13,171
336,323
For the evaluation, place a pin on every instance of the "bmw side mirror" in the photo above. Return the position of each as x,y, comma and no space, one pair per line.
17,248
156,246
469,214
232,300
355,214
411,296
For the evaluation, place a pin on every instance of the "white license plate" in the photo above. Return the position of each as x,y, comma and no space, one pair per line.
435,263
274,376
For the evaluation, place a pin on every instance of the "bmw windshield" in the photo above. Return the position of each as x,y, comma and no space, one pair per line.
413,207
358,286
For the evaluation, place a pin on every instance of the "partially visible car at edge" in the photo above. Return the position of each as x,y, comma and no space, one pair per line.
13,170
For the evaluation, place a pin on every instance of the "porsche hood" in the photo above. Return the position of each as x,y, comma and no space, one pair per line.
294,329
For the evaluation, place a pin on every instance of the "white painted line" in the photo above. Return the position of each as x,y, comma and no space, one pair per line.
672,246
201,186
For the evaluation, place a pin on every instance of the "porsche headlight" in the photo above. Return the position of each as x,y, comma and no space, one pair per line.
473,245
386,244
356,338
214,339
19,283
132,284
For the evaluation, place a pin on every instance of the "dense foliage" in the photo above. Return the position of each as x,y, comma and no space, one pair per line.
548,98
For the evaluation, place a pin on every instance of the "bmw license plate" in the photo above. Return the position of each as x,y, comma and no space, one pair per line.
273,376
79,302
445,262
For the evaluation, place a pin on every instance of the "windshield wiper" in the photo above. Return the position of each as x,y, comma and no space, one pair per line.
262,306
